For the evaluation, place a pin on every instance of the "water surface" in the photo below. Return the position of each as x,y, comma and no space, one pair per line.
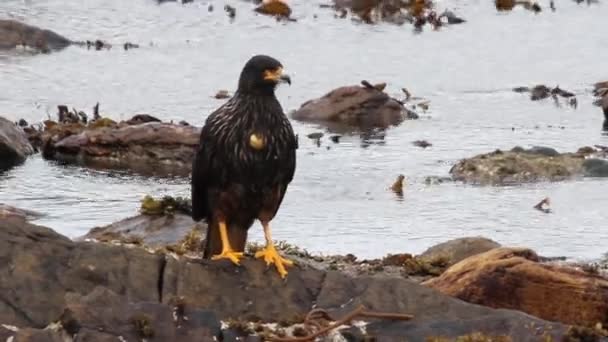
338,202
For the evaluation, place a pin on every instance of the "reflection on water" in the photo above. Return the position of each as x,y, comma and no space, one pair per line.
339,201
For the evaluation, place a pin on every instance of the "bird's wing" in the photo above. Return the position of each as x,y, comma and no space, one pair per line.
200,174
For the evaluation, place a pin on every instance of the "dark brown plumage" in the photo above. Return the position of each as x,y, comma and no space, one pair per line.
245,162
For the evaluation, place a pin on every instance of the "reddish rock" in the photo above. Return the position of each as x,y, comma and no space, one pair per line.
513,278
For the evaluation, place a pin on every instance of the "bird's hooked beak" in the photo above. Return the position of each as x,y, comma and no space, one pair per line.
277,75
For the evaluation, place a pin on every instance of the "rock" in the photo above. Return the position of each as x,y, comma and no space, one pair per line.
458,249
14,34
151,148
22,214
100,290
520,166
594,167
152,231
605,110
105,309
14,145
355,106
37,335
277,8
513,278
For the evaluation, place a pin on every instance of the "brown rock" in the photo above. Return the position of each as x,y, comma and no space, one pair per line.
7,211
520,166
37,335
154,321
152,231
513,278
14,146
14,33
458,249
126,291
39,266
356,106
278,8
152,148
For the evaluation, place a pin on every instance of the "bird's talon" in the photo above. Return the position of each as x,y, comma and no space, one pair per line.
230,255
271,256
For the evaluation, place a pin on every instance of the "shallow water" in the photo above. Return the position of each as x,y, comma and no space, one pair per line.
338,202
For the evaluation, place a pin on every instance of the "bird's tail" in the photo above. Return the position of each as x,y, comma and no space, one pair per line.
237,236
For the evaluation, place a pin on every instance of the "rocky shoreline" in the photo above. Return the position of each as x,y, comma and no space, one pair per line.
112,285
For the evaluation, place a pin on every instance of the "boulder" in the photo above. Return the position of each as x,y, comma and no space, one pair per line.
14,146
458,249
360,107
150,148
14,34
22,214
154,231
101,290
532,165
513,278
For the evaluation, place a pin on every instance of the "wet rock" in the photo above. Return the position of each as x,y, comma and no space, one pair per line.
151,148
594,167
22,214
142,118
106,311
520,166
14,34
37,335
513,278
422,143
14,145
101,289
458,249
605,110
222,94
169,229
276,8
355,106
508,5
390,11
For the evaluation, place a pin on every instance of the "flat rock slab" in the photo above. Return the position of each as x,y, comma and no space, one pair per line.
532,165
354,106
14,34
513,278
14,146
151,148
48,278
154,231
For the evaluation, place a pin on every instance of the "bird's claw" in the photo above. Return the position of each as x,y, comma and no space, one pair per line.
230,255
271,256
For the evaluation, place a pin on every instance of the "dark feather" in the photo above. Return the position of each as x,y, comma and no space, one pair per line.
230,179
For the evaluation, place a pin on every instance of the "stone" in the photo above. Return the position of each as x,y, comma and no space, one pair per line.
354,106
458,249
523,165
154,231
22,214
14,34
14,145
150,148
37,335
97,290
513,278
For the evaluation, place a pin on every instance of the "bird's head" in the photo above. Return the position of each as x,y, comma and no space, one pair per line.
261,75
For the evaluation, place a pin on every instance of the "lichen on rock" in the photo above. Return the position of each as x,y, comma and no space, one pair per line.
527,165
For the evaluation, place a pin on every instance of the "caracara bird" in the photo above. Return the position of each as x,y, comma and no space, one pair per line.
245,161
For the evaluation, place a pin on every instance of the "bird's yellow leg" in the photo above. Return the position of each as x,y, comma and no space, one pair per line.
270,254
227,251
